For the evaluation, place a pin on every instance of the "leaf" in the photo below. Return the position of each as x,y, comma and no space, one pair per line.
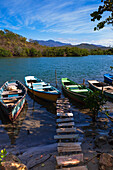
43,165
2,151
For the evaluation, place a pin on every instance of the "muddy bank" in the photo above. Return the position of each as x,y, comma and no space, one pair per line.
31,136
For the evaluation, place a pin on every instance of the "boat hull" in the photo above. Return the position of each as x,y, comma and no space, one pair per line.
75,91
107,94
45,96
108,78
75,97
12,111
41,89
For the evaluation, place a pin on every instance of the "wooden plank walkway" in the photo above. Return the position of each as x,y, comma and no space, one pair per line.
65,120
65,114
69,160
66,130
69,150
75,168
66,136
69,147
66,124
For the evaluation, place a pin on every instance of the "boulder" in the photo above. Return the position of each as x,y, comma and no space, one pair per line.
101,140
106,162
9,165
12,162
11,157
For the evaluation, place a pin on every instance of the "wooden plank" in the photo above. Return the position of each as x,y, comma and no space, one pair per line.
69,160
61,144
64,100
72,136
63,104
10,98
69,149
66,130
65,114
65,120
63,107
75,168
66,124
11,92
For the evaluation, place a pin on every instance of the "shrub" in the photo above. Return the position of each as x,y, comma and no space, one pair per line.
5,53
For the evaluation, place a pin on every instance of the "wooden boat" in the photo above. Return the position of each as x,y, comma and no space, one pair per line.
101,86
108,78
41,89
75,91
12,98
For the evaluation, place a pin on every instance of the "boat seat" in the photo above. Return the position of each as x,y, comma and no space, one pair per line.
10,104
10,98
80,90
72,86
11,92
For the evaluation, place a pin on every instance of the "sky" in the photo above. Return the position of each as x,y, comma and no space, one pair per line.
67,21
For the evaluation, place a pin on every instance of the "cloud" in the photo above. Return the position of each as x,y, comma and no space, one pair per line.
60,18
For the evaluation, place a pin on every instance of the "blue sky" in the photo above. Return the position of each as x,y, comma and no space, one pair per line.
67,21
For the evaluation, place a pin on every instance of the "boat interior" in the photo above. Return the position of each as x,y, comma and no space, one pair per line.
75,87
105,86
11,93
39,85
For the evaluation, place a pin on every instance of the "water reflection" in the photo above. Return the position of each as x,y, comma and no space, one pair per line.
13,128
50,107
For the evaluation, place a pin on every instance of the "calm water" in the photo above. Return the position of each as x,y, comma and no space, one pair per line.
36,124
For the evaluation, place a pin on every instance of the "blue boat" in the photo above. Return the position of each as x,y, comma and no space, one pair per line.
12,98
108,78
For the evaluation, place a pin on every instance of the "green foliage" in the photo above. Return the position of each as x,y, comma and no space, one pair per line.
2,155
94,101
18,45
97,15
33,52
5,53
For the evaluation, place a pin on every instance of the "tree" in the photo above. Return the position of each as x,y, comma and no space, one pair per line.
97,15
94,101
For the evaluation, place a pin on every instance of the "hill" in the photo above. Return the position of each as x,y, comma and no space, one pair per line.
51,43
91,46
12,44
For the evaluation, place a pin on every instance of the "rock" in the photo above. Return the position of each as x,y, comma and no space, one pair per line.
101,140
9,165
12,162
106,162
110,141
11,157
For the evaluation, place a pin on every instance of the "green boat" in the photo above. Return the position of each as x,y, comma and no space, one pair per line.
75,91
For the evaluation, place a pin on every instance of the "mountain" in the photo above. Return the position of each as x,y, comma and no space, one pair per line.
51,43
91,46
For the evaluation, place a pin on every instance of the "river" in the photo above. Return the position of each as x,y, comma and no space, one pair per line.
36,124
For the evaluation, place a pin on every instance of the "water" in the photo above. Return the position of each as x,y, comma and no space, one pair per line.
36,124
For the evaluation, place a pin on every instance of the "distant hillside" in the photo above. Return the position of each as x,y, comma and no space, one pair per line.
51,43
12,44
91,46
